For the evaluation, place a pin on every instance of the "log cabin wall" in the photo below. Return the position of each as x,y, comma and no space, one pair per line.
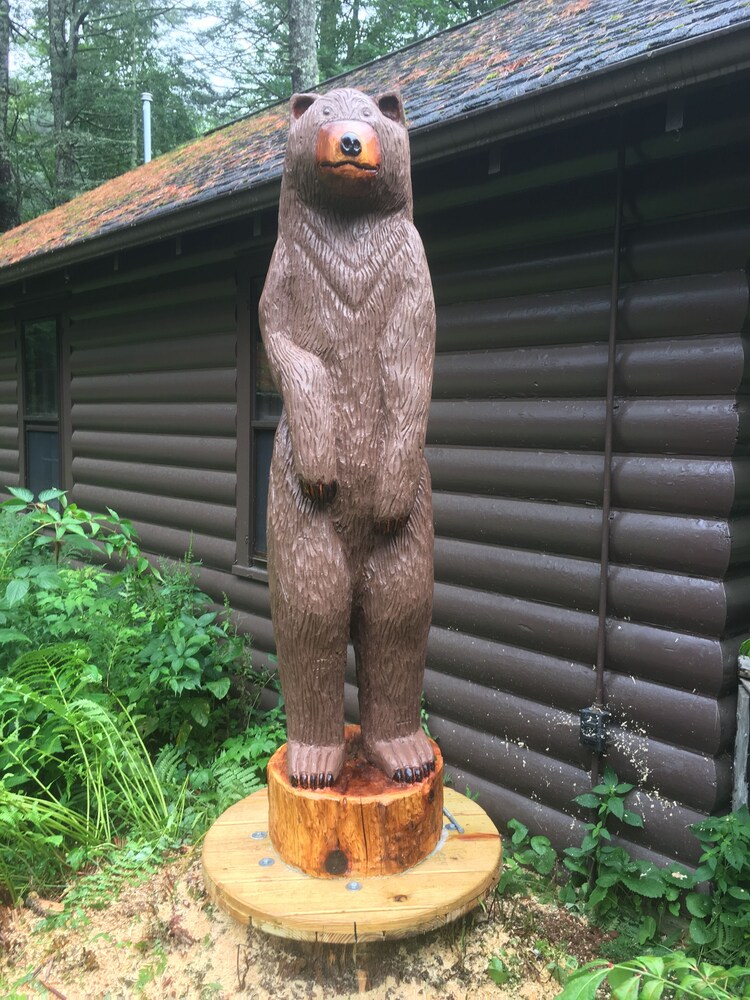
153,407
520,241
522,265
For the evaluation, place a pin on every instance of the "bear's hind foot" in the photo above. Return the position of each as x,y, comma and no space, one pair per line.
314,767
406,759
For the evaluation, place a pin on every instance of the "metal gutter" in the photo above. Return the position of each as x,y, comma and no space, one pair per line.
710,57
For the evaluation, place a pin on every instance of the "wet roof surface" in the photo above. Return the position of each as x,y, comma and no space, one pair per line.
513,52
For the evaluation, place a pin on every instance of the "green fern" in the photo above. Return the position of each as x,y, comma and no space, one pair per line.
75,772
169,766
234,781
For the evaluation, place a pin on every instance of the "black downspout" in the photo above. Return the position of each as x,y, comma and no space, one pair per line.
594,719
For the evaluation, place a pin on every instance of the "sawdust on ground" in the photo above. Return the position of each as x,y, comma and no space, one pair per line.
164,939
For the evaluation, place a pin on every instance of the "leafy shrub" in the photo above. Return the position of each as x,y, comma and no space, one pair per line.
610,885
606,881
721,919
651,977
160,647
35,540
180,672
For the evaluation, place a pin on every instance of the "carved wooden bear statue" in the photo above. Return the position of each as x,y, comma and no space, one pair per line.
348,322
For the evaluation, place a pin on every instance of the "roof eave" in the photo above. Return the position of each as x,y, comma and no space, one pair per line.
708,58
166,225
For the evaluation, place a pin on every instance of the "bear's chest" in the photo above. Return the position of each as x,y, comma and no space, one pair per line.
349,281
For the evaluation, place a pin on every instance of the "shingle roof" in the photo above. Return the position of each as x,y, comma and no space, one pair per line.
514,53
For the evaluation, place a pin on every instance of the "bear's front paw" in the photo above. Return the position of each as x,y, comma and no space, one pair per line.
319,492
391,525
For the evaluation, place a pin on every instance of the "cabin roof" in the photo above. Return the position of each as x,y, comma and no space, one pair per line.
528,55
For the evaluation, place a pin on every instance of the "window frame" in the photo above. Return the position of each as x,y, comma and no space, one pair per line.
248,563
40,423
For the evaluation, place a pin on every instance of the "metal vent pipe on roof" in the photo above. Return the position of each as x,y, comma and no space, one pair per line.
146,98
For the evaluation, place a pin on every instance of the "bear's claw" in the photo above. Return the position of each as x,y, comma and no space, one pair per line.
314,767
312,781
319,492
405,759
413,775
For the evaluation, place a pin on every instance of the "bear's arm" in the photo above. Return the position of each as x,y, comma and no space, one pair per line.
300,376
406,357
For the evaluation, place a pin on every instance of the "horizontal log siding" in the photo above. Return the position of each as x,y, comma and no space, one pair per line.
9,415
515,446
153,393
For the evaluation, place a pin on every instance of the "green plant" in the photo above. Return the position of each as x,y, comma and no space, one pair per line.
608,799
505,967
606,881
36,537
181,672
524,855
720,921
651,977
53,523
237,770
148,973
100,879
498,970
557,961
424,717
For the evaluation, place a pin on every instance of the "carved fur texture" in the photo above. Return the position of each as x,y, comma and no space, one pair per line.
348,322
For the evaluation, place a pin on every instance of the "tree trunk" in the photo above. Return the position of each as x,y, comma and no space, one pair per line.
65,24
330,13
8,204
303,49
352,34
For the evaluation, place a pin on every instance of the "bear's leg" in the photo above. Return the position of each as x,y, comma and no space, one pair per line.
389,629
310,589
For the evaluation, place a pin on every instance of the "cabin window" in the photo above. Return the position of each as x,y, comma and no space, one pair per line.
41,404
266,413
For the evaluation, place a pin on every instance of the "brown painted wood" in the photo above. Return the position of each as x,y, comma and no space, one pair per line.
246,878
364,825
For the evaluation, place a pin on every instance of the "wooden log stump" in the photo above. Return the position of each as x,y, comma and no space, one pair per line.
366,824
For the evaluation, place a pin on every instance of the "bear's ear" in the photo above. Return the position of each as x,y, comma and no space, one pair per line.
300,103
390,105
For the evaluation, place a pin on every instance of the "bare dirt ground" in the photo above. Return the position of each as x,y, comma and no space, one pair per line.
163,938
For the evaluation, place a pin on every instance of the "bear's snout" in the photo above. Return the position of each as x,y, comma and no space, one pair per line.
350,144
347,156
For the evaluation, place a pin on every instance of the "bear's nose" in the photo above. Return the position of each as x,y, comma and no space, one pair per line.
350,144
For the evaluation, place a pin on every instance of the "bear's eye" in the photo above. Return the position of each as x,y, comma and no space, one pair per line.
327,111
366,113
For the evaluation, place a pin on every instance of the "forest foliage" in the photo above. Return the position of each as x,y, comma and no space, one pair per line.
72,73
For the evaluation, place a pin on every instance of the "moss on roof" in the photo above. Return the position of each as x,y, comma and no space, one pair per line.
512,52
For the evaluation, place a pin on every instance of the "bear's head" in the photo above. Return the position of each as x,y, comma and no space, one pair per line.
348,151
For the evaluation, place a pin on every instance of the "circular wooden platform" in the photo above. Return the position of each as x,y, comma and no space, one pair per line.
247,878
